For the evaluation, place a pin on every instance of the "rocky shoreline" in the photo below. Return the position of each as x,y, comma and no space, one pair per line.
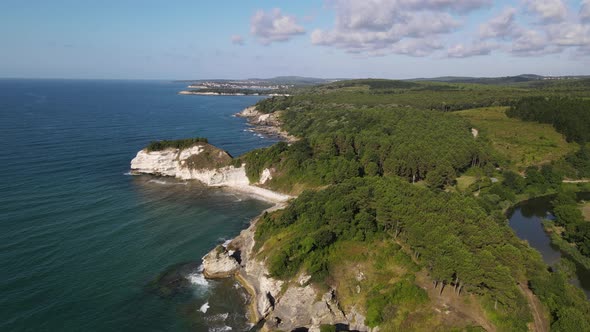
276,304
267,124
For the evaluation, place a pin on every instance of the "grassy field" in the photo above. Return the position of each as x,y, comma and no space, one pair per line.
384,264
522,143
464,181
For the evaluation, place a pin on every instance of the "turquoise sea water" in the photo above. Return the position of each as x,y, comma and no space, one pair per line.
80,240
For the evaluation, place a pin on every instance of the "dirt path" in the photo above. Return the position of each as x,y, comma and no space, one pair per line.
540,323
577,181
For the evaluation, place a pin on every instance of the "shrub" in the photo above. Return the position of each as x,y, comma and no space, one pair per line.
176,144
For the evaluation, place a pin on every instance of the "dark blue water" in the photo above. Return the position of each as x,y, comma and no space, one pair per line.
80,240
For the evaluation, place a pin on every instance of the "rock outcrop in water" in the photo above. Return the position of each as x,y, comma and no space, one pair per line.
281,306
219,263
202,162
266,123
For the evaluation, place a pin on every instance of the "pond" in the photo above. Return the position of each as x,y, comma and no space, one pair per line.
525,219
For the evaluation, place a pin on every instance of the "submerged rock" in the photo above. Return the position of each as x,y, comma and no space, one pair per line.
173,280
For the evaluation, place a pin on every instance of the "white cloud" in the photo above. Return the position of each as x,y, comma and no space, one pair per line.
463,51
423,28
569,34
375,27
549,11
416,47
273,26
531,43
541,39
237,40
501,26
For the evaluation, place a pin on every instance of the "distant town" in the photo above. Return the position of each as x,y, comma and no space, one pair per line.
255,85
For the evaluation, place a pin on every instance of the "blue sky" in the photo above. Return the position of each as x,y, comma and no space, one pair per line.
330,38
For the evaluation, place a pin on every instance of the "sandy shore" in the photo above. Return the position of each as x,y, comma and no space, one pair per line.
261,193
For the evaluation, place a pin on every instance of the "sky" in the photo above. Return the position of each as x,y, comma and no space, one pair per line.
201,39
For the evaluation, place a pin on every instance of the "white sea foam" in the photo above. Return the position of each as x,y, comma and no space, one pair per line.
217,317
158,181
204,307
164,182
198,278
220,329
218,320
226,243
127,174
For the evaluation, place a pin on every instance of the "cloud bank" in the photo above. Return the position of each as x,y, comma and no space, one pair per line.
422,27
273,26
411,27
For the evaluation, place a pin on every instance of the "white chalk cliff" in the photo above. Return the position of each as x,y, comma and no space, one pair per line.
198,163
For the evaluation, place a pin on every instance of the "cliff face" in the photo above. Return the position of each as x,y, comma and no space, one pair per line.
202,162
285,306
266,123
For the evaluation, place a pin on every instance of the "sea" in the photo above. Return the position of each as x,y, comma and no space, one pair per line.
84,245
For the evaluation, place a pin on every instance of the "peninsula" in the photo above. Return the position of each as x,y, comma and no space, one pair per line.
389,208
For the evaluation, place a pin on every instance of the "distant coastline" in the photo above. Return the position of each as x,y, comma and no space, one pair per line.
220,93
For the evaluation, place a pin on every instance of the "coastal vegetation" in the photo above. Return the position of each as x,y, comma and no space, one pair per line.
390,165
449,235
441,96
402,189
175,144
341,142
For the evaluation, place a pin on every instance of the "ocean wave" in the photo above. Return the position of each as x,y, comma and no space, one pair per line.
198,279
217,323
217,318
164,182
